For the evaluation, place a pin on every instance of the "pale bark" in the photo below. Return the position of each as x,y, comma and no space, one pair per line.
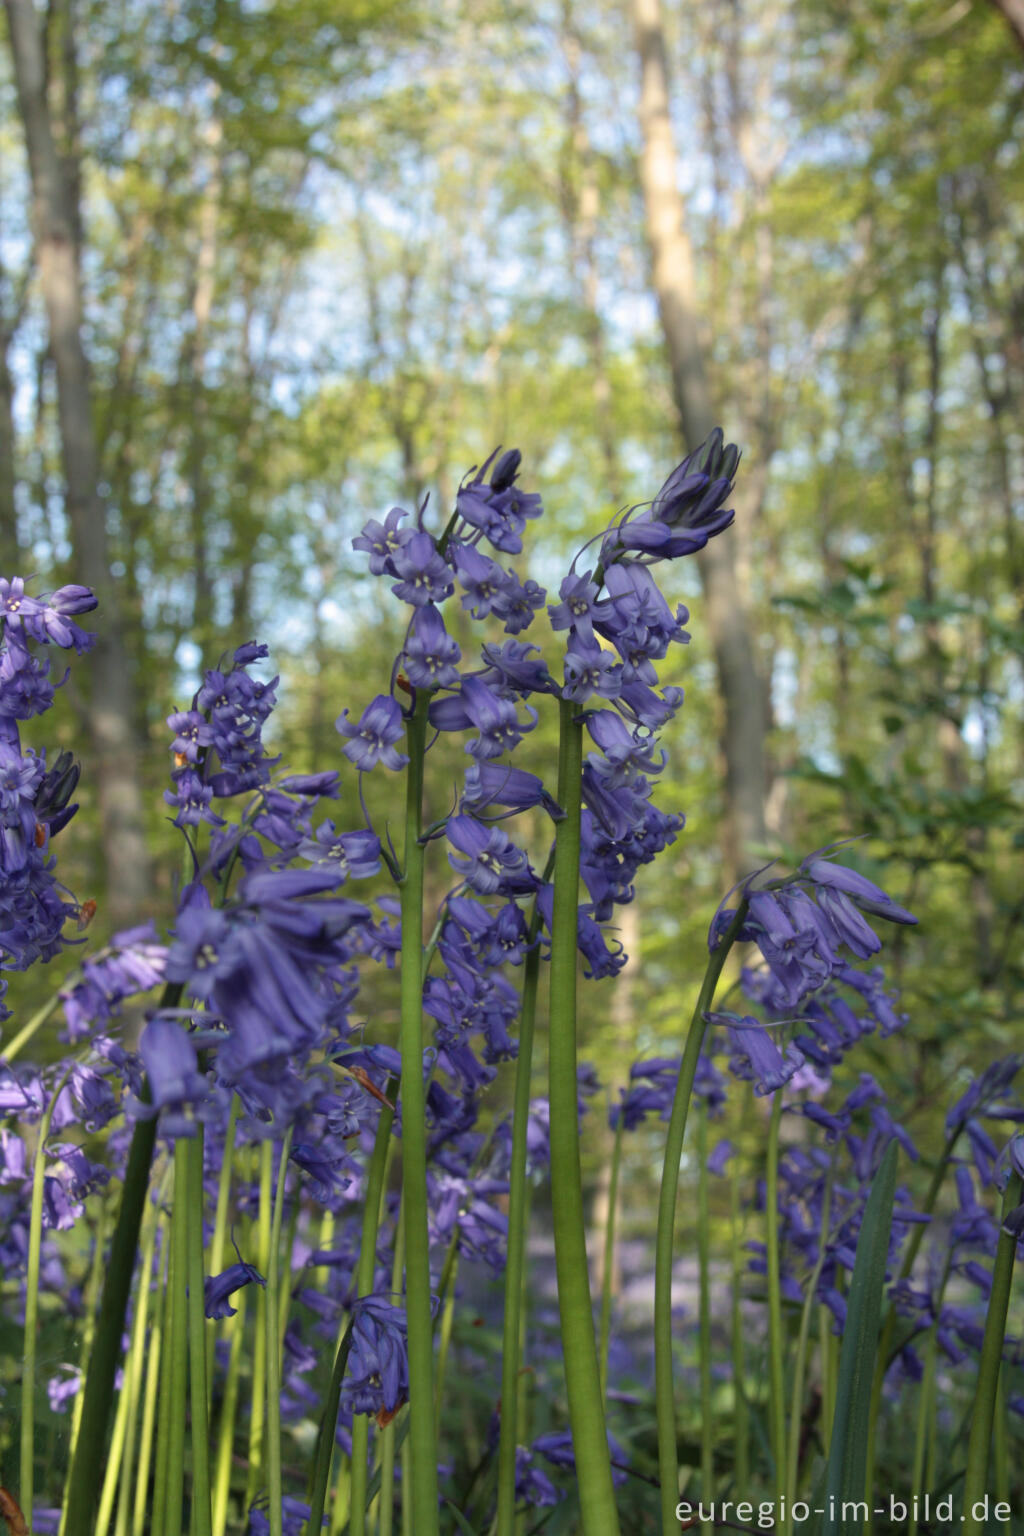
1013,10
111,712
743,696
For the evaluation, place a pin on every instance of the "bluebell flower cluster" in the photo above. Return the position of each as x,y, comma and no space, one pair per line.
35,797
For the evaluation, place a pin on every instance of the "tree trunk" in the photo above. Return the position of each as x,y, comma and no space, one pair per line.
111,712
743,696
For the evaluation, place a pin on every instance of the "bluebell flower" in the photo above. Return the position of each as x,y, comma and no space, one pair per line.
430,654
382,541
377,1378
533,1487
487,859
218,1289
556,1448
589,669
425,577
372,740
489,784
754,1055
516,667
580,606
294,1517
352,854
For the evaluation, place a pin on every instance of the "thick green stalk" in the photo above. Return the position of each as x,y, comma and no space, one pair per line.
608,1260
518,1201
28,1369
707,1420
986,1389
668,1460
273,1324
579,1345
776,1378
419,1321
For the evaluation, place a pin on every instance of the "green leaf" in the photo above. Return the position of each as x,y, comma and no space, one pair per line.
460,1520
851,1426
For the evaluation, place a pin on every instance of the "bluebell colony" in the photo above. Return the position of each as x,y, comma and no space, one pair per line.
262,1112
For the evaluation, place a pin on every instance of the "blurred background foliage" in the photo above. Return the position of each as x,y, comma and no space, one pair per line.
331,255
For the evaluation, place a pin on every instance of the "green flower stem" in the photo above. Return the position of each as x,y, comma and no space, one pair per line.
796,1399
192,1157
228,1413
96,1272
153,1373
985,1391
111,1477
172,1423
419,1322
740,1408
579,1345
218,1239
518,1227
14,1047
386,1497
258,1400
608,1264
707,1419
776,1376
87,1464
376,1175
135,1372
28,1369
668,1462
273,1325
1001,1446
523,1384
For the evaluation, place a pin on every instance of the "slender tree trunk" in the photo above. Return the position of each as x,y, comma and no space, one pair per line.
111,712
743,695
581,208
